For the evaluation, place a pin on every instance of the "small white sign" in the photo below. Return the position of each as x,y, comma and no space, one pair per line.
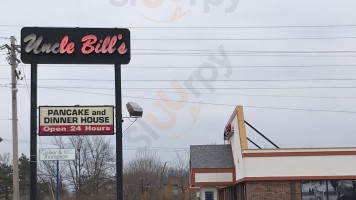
57,154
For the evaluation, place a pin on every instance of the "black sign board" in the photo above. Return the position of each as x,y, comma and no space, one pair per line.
75,45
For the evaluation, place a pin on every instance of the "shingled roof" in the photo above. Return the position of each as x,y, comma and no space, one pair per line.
211,157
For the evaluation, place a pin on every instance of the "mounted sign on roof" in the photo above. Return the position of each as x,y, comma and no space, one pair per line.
75,45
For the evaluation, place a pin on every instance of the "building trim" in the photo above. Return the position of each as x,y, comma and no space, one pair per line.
275,178
221,187
310,148
310,153
229,170
194,188
214,183
242,128
295,178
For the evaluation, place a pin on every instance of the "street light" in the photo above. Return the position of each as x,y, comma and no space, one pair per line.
134,109
135,112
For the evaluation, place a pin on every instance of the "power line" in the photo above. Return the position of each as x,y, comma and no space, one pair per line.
241,55
26,141
250,95
264,107
160,149
199,80
126,147
244,52
7,85
241,51
196,67
145,88
217,104
243,39
219,27
236,51
201,88
249,27
10,25
22,132
220,94
28,90
231,52
245,66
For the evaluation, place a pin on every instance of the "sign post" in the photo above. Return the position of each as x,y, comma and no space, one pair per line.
75,46
119,161
57,191
57,155
33,137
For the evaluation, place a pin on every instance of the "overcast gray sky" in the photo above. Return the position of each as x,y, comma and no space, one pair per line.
316,69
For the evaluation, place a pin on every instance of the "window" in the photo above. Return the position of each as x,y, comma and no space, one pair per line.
331,190
209,195
243,191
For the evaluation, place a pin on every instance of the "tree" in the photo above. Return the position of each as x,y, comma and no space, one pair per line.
24,174
147,177
182,173
47,174
97,161
5,176
92,169
74,168
142,176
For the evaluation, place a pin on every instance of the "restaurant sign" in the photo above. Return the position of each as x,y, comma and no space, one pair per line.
76,120
75,45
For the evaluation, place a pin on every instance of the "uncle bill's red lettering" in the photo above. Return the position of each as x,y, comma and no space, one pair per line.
90,44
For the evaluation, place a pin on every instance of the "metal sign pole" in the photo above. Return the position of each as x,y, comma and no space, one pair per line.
33,127
118,107
57,179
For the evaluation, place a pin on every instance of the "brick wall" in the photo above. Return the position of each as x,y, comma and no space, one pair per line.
272,190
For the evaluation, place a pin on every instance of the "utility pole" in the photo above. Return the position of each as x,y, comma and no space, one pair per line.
14,76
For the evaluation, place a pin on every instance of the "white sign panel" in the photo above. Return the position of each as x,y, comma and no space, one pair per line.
57,154
76,120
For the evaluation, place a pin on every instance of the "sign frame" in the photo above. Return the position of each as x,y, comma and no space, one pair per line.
59,45
77,134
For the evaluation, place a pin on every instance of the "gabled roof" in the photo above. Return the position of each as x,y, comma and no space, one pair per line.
211,157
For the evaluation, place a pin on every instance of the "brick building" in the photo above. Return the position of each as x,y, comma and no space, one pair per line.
233,171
